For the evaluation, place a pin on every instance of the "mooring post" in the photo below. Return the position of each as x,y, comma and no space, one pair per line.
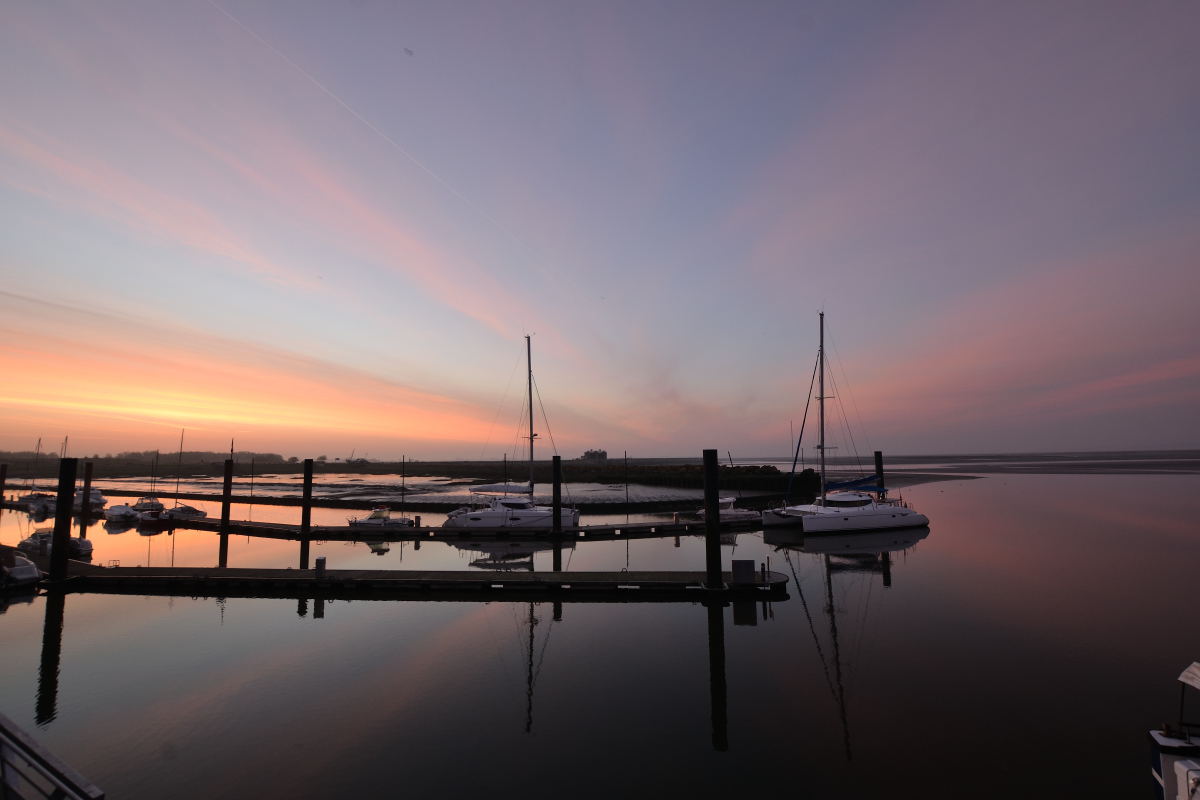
716,673
47,696
712,521
879,469
558,555
320,571
3,480
226,499
60,543
557,501
85,510
306,513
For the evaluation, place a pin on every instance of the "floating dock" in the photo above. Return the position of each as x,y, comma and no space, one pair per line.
418,584
345,533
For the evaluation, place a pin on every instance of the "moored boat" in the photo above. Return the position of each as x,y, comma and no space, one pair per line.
508,508
1174,753
147,503
186,512
120,514
728,513
856,505
380,517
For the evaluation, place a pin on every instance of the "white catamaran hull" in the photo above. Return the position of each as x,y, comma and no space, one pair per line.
814,519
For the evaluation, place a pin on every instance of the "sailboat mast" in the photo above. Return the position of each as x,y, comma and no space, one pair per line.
179,468
529,364
821,360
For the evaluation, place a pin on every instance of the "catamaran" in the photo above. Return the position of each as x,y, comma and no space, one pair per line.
840,510
504,510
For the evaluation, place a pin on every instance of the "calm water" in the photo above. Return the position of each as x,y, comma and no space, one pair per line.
1023,648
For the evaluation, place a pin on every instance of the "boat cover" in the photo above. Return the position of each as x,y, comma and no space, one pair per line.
857,483
504,488
1191,675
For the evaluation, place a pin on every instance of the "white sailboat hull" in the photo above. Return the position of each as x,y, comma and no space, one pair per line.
816,519
537,517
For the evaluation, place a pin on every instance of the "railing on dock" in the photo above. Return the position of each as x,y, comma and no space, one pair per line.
29,771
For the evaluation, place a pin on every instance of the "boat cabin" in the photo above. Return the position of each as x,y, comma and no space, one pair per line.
515,503
848,499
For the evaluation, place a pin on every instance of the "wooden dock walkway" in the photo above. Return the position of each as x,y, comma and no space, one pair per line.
481,586
345,533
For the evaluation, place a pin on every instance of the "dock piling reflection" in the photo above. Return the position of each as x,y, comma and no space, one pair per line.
60,548
52,630
716,674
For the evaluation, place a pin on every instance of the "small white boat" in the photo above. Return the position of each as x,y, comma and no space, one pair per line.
42,542
380,517
186,512
37,542
148,503
123,514
98,500
729,513
21,572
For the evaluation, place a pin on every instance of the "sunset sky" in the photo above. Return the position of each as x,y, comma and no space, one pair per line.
269,221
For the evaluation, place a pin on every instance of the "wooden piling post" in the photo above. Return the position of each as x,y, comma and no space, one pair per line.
306,513
226,499
879,469
557,555
716,671
85,509
712,521
3,479
557,501
61,541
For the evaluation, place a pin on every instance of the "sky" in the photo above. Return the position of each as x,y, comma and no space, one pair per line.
320,227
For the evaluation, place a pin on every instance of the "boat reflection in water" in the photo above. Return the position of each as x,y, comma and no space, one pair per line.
511,555
841,554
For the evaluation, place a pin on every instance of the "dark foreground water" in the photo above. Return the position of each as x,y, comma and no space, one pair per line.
1023,648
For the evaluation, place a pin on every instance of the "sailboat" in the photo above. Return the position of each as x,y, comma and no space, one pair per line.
504,510
843,510
39,502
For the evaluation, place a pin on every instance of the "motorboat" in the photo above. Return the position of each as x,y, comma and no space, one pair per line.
41,542
508,508
380,517
120,514
98,500
20,571
730,514
148,503
865,505
186,512
1174,754
510,512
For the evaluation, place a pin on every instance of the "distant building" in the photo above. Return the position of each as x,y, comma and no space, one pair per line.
595,457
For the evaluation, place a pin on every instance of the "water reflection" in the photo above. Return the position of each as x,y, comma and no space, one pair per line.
854,553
